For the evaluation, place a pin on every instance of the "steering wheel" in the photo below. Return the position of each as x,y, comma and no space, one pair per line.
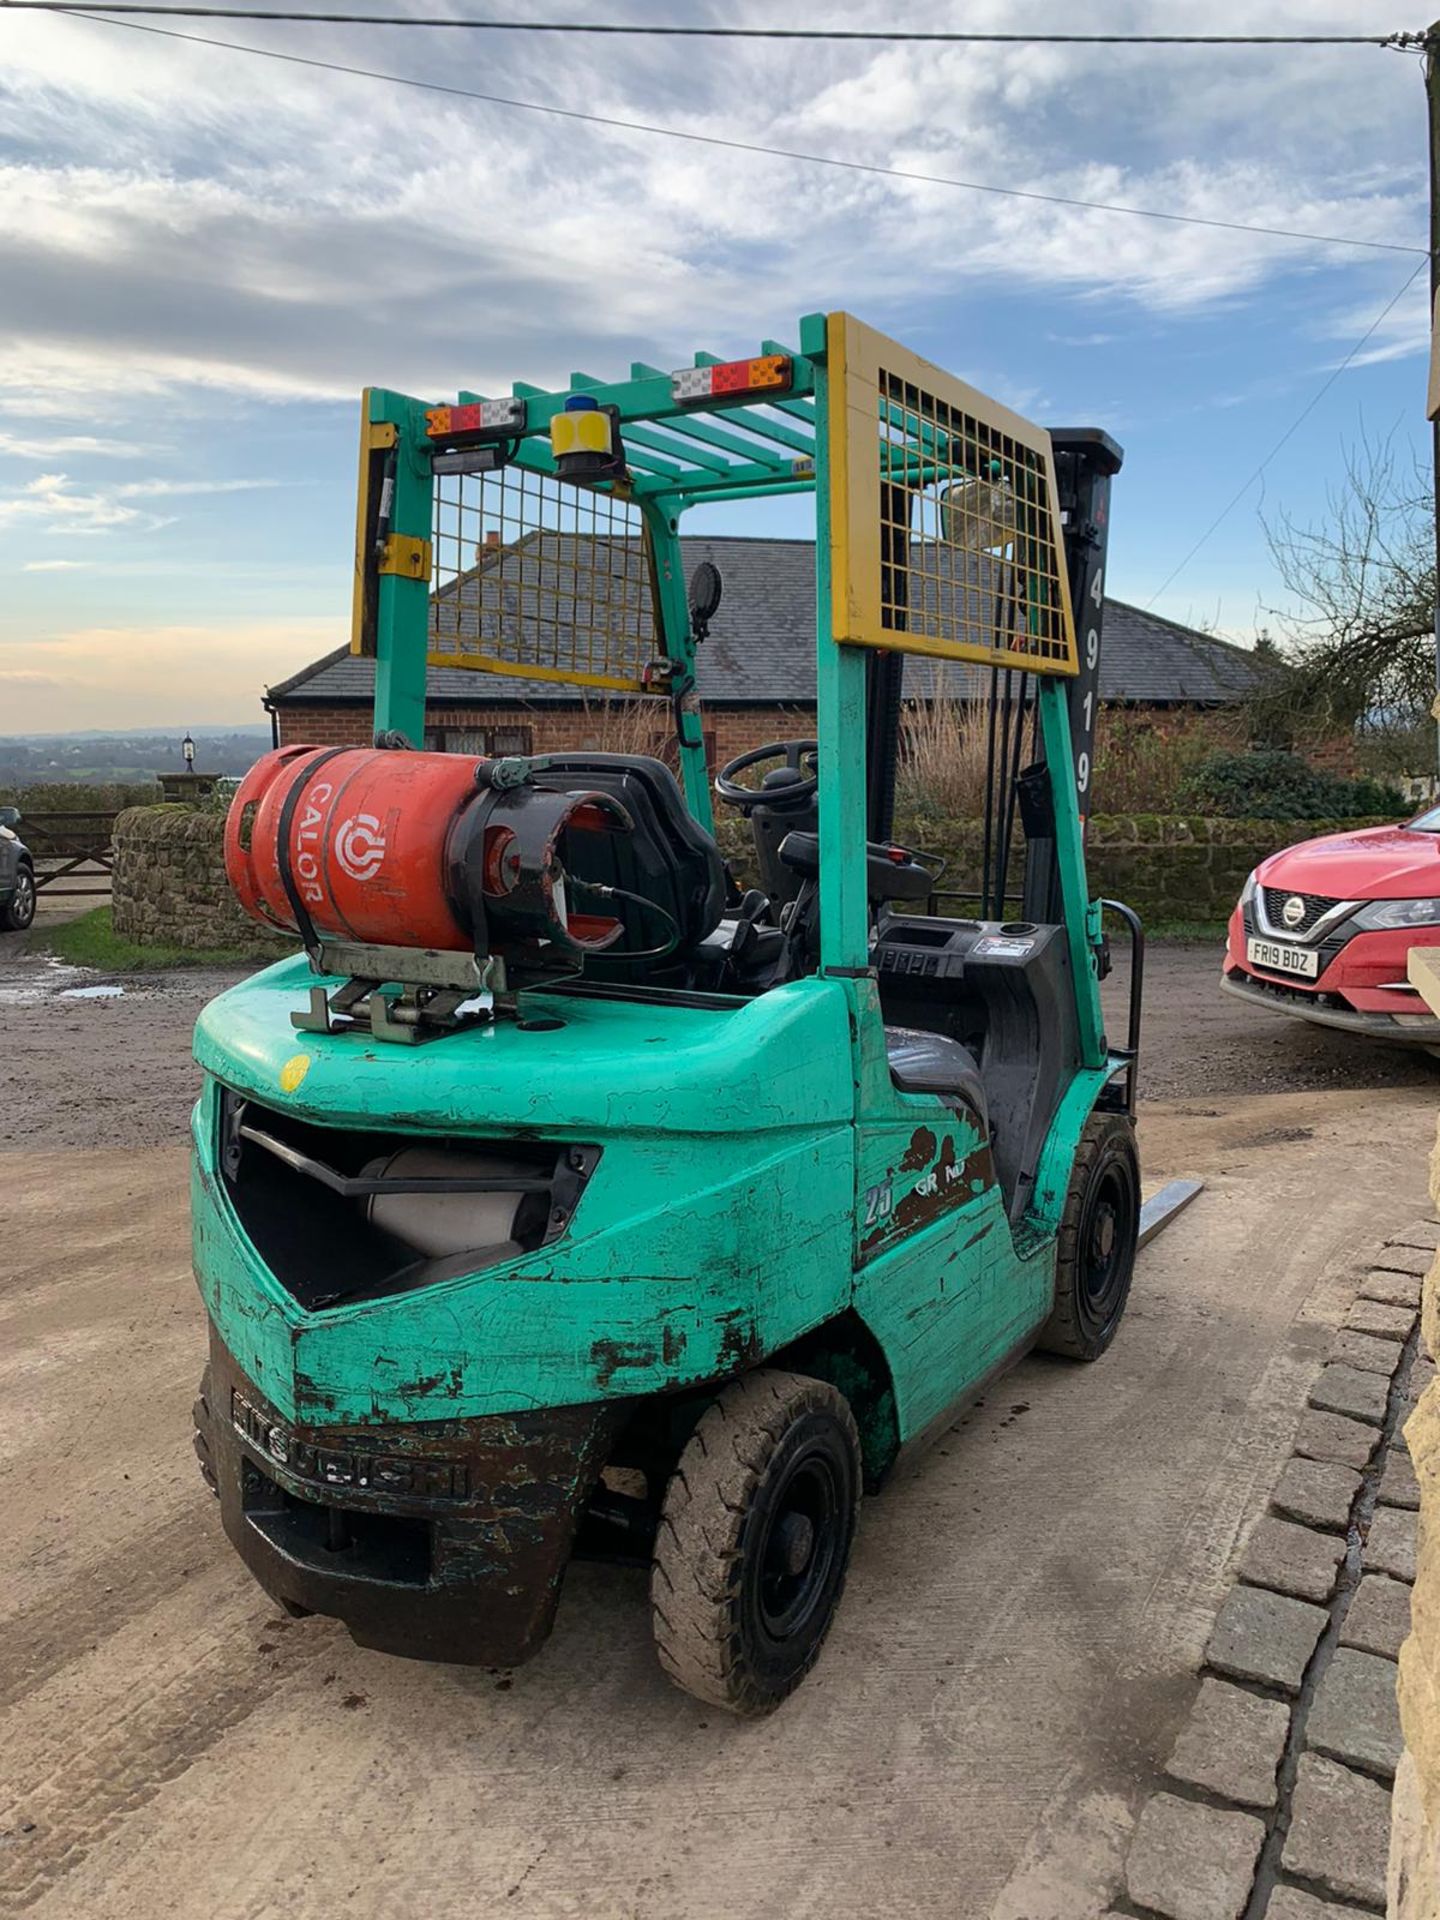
794,754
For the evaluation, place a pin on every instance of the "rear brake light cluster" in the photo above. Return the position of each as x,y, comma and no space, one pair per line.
477,416
731,376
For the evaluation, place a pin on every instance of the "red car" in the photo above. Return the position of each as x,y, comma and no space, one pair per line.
1322,930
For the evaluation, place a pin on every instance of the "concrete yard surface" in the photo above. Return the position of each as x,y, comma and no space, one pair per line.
1015,1656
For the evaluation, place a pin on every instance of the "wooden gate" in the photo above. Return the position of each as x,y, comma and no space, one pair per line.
73,851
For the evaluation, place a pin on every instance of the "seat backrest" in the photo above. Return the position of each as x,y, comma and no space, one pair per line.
925,1062
669,858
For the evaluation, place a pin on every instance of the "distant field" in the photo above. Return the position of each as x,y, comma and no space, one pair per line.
122,759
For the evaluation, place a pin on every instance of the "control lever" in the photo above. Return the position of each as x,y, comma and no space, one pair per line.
753,906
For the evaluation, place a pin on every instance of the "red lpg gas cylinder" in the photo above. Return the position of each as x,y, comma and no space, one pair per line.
359,834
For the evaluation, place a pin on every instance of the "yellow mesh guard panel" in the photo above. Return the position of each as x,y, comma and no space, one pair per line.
541,579
944,520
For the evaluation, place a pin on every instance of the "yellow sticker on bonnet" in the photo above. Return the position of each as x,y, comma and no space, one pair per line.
294,1071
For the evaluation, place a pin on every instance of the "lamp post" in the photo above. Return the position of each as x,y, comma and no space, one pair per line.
187,747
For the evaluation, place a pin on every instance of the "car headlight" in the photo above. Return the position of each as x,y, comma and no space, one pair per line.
1247,892
1381,915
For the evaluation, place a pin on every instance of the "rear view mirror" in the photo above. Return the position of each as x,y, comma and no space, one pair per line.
706,591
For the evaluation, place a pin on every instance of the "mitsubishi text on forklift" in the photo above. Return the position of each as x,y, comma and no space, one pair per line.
562,1197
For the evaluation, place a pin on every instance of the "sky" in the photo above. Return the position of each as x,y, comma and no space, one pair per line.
205,256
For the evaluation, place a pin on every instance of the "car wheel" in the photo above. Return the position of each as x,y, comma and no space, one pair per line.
1096,1247
18,912
754,1540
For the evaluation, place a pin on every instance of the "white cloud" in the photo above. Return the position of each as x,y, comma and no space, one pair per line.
56,566
50,504
241,226
158,489
1404,331
57,446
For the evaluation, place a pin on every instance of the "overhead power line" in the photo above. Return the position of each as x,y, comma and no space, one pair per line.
1292,429
665,31
754,146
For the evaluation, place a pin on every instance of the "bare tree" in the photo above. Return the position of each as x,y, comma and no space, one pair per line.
1357,640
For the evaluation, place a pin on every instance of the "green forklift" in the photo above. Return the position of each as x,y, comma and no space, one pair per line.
566,1195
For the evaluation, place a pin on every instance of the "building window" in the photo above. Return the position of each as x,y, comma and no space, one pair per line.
510,740
484,743
663,746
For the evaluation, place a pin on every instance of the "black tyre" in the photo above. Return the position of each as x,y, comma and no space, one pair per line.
19,910
754,1540
1099,1230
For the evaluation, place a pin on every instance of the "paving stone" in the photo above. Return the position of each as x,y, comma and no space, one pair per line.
1265,1636
1339,1834
1292,1559
1342,1389
1289,1903
1364,1351
1379,1616
1317,1492
1422,1376
1398,1485
1416,1260
1391,1289
1386,1323
1232,1744
1390,1543
1355,1716
1329,1436
1420,1233
1192,1862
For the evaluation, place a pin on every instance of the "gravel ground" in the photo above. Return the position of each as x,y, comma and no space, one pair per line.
1198,1040
86,1068
1016,1652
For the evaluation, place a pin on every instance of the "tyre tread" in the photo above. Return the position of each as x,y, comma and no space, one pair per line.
700,1544
1063,1333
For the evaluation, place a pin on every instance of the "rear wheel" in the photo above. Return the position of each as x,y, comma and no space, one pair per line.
1099,1232
754,1540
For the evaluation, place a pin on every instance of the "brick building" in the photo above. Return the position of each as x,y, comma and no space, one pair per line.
756,674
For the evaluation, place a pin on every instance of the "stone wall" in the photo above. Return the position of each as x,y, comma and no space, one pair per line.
169,887
1173,868
1169,868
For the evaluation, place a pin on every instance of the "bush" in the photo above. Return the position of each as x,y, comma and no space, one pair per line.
1283,786
1141,763
943,758
73,796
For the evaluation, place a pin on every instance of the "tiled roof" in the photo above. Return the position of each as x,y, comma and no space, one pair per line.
761,649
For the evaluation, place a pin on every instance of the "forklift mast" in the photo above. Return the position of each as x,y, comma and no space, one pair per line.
1086,460
538,534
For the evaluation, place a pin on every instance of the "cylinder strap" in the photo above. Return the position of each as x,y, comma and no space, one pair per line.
305,926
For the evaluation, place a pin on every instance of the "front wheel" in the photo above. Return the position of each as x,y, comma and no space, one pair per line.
754,1540
19,909
1099,1235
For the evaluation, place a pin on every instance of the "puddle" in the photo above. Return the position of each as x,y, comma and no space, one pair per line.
30,986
